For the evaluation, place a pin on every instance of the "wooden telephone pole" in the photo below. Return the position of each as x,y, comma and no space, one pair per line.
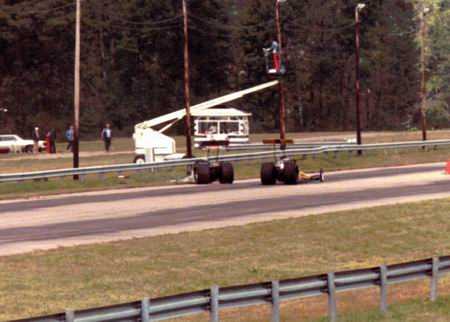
76,119
187,93
358,74
423,89
280,83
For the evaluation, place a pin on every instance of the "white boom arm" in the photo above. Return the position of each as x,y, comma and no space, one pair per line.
178,115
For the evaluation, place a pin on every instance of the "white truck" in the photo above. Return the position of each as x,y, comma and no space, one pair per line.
151,144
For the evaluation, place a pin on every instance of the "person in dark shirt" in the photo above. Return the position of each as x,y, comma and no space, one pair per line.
106,136
51,138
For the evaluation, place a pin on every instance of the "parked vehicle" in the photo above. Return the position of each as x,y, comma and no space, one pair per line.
14,143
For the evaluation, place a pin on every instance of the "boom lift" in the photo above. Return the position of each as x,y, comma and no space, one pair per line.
151,144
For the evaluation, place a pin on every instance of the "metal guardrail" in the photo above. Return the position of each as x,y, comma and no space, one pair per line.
214,300
260,155
262,146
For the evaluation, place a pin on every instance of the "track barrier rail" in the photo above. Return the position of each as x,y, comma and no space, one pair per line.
259,155
215,299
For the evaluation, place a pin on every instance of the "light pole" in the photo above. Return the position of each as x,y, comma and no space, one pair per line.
76,105
358,8
187,93
423,89
280,83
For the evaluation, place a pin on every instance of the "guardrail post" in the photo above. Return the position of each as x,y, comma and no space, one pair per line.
434,279
214,304
275,301
145,310
383,289
332,310
70,316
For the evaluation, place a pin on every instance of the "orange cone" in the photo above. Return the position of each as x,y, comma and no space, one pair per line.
447,168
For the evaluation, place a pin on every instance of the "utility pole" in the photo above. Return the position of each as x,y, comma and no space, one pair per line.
357,75
423,89
280,83
76,119
187,93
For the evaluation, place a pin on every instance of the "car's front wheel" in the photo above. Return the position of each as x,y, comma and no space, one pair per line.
139,159
28,149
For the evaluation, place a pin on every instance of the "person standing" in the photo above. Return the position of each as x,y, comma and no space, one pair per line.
275,50
36,137
52,140
106,136
69,138
48,146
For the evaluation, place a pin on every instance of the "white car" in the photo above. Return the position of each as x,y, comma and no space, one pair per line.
14,143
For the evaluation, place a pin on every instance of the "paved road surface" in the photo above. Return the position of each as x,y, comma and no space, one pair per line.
51,222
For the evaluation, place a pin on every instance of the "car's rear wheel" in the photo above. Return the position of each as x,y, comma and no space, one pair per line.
202,173
268,174
226,173
290,172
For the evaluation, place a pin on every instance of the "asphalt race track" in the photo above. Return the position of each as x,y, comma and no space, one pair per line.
51,222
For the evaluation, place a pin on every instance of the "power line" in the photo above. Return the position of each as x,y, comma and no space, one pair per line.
94,24
210,33
221,25
41,11
149,23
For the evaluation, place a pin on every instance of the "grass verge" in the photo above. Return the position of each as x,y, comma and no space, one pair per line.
98,275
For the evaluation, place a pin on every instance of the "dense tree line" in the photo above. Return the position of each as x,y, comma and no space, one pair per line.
132,61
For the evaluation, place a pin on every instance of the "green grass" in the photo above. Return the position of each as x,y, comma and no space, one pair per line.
26,165
351,309
110,273
411,311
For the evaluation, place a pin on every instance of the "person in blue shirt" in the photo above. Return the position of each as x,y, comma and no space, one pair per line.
69,138
275,50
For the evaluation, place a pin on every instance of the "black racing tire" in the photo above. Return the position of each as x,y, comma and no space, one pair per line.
290,172
268,174
226,173
139,159
202,173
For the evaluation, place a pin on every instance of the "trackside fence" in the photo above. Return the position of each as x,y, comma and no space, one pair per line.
290,152
215,299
